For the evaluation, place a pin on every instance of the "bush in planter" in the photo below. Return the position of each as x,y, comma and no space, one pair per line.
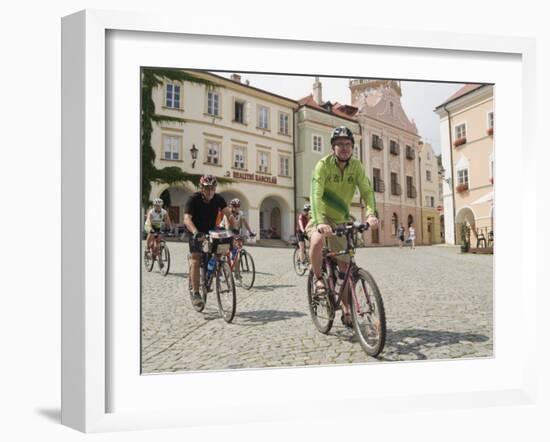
465,237
462,188
490,131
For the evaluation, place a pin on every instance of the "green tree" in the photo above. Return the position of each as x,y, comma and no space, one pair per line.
150,79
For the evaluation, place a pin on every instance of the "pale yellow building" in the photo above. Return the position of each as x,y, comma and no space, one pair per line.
467,125
430,195
236,131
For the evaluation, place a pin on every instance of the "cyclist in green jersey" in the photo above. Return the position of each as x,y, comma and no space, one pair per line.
333,185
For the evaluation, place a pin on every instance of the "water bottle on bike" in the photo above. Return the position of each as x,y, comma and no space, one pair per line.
211,266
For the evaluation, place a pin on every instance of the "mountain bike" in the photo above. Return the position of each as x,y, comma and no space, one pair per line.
215,270
245,271
363,295
159,253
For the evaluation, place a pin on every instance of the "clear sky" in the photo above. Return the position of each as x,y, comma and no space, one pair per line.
419,98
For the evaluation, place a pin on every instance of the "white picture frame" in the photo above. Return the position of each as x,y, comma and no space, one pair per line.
87,314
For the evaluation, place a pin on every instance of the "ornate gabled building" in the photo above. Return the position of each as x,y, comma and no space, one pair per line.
390,155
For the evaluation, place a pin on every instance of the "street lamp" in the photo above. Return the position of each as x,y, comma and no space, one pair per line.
194,152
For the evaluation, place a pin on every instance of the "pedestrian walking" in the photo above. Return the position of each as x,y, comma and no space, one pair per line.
401,235
412,235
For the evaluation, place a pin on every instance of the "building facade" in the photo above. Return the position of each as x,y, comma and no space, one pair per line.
432,221
315,120
390,149
235,131
467,147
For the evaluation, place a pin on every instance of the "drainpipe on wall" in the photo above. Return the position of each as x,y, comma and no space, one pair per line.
421,200
452,173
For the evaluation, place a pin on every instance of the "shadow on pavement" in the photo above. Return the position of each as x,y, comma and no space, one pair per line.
414,341
271,287
260,317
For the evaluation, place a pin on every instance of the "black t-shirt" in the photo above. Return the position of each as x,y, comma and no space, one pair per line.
204,213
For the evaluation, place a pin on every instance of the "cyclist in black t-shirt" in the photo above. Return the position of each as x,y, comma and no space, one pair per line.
199,217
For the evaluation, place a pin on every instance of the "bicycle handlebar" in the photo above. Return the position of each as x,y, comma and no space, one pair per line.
341,230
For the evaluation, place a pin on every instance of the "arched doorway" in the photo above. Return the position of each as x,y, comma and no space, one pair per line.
410,220
276,223
465,215
442,228
275,219
175,199
394,224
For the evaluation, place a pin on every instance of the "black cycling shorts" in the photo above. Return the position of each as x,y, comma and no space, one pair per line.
301,236
195,246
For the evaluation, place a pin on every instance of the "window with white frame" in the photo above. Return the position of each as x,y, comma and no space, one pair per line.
284,163
239,157
432,201
263,117
213,149
490,120
429,175
283,123
462,175
173,95
460,131
239,111
263,162
171,148
317,143
213,105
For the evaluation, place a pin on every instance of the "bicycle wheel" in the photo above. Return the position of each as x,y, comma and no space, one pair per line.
367,313
225,291
165,259
148,261
246,273
299,268
202,290
320,308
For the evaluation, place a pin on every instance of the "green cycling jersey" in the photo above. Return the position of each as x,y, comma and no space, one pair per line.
332,190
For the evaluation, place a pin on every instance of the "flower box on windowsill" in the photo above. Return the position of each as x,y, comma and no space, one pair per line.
461,188
490,131
492,180
459,142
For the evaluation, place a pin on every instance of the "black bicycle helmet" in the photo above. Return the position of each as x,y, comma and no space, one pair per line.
341,132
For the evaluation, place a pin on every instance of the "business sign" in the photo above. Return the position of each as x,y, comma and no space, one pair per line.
255,177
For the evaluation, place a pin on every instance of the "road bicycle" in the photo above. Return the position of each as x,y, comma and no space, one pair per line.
245,272
360,288
300,267
215,270
160,253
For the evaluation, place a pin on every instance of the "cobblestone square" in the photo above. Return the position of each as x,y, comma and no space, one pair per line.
439,305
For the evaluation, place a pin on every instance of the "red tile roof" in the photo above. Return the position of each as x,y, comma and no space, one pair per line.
339,110
467,88
309,101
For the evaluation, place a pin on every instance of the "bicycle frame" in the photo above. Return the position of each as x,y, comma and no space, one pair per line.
232,260
329,259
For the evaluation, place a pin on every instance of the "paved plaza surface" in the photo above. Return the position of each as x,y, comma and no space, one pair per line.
439,305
